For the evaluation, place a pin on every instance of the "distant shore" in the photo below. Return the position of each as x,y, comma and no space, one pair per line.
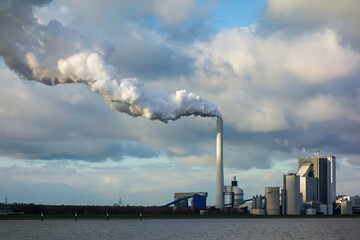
162,216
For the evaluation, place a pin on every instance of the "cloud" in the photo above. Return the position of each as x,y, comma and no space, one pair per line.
173,11
326,108
144,53
147,44
295,17
53,11
313,58
253,70
82,149
41,122
202,160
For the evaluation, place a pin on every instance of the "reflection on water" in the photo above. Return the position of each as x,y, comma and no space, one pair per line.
324,228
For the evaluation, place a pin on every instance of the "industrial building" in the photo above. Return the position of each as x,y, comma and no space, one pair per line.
318,179
181,200
308,183
233,195
257,206
347,204
310,190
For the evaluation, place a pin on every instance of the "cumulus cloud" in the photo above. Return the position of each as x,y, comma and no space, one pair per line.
297,16
313,57
273,68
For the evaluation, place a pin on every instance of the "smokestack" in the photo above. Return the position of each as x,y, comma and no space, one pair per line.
219,195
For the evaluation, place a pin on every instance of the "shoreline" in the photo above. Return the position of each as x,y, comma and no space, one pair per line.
161,216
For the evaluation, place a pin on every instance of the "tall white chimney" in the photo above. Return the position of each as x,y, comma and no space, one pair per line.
219,195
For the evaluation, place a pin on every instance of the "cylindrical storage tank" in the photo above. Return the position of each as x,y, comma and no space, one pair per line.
272,198
254,202
310,211
238,196
259,202
292,194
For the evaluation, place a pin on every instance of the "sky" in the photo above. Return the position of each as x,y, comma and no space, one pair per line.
283,74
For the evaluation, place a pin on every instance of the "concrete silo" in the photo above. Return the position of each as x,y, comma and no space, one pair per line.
292,193
272,200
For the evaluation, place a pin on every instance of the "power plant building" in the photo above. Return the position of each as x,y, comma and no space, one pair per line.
308,183
318,179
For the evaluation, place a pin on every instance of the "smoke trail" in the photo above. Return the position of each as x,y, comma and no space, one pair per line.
46,54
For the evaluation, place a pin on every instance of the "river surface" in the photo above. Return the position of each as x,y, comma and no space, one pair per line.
282,228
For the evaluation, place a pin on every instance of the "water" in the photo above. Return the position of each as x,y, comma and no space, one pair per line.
283,228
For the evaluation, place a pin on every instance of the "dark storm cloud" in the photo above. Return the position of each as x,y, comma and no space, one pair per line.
82,149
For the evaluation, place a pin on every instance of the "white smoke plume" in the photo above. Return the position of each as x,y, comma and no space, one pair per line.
52,55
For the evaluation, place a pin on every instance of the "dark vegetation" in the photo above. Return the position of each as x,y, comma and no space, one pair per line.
33,211
30,208
87,209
